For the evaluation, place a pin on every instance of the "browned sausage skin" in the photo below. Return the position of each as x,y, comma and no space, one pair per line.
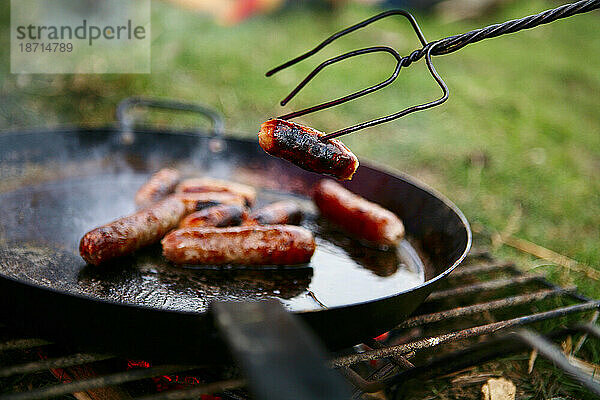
219,216
356,215
198,201
127,234
303,146
159,186
280,212
247,245
204,185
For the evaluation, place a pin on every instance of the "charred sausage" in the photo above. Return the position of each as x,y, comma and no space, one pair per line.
159,186
281,212
204,185
356,215
248,245
303,146
127,234
198,201
218,216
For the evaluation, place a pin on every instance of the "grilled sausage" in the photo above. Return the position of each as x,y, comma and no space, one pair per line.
248,245
159,186
303,146
203,185
356,215
281,212
198,201
127,234
218,216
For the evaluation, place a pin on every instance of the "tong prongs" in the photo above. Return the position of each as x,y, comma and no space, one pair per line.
349,97
348,30
406,111
400,62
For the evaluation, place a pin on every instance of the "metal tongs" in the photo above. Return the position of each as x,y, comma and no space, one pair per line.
438,47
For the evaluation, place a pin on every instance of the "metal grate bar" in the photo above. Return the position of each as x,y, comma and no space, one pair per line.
93,383
345,361
480,268
477,308
368,386
481,287
22,344
197,391
575,295
371,385
400,361
62,362
552,352
473,355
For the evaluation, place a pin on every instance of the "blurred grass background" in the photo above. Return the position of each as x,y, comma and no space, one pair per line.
517,146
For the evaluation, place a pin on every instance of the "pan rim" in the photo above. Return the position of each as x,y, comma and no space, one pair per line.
227,136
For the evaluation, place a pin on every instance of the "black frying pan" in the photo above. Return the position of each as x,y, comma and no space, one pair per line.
58,184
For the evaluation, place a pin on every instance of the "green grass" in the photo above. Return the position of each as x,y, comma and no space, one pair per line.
519,136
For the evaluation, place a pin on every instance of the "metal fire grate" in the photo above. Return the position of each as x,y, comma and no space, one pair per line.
478,316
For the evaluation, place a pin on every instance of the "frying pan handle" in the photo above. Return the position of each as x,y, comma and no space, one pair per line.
125,122
280,357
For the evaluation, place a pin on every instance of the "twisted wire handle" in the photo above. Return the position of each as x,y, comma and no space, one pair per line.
456,42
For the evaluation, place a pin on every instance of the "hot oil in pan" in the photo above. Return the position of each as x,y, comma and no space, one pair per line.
41,227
